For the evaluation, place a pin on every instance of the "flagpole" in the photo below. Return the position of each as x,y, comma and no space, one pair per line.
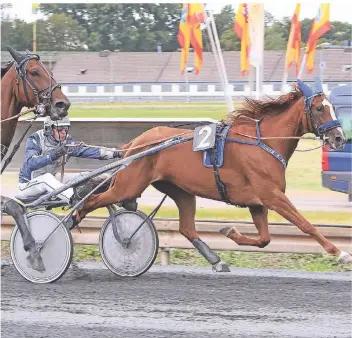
212,44
256,33
35,35
34,12
257,82
251,79
221,65
302,65
284,81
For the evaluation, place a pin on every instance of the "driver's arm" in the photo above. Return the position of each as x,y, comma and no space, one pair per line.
93,152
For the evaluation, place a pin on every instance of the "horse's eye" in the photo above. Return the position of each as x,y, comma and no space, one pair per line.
320,108
34,72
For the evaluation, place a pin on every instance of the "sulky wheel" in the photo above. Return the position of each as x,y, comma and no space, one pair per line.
129,258
56,252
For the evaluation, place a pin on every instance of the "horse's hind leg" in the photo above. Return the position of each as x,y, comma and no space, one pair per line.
128,185
279,202
186,204
260,219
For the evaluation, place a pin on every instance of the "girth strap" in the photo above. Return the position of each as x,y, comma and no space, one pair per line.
213,158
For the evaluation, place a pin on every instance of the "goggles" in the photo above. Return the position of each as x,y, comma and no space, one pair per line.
61,128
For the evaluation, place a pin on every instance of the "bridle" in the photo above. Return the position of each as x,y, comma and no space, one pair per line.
43,96
318,129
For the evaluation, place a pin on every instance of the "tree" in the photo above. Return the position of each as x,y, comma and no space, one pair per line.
230,41
268,19
139,27
17,34
127,27
3,8
60,32
225,19
274,38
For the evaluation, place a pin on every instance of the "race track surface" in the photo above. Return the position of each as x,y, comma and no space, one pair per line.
170,301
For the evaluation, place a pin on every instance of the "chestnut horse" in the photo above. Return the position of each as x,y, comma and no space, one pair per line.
253,177
27,82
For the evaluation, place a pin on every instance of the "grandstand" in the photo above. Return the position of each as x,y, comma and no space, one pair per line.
131,67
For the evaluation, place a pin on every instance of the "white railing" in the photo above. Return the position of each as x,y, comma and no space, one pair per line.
159,90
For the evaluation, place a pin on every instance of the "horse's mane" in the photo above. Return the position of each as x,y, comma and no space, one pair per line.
6,68
257,109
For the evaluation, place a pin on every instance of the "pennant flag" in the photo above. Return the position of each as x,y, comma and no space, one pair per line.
242,31
35,8
256,33
321,25
183,36
293,52
196,17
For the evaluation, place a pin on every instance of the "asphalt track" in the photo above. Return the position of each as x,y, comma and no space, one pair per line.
173,301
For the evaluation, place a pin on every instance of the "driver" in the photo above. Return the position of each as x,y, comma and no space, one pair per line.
44,154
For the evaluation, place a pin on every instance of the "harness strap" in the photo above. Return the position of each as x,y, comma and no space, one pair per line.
220,184
16,147
322,129
4,150
213,156
260,144
26,92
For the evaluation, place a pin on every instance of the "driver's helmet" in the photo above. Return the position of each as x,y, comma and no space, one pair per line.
49,124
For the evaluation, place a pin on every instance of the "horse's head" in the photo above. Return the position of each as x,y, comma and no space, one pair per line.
321,118
35,86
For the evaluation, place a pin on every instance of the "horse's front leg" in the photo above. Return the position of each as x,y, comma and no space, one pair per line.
186,204
14,209
260,219
279,202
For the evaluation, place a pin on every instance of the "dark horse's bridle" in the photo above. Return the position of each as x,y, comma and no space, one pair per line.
43,96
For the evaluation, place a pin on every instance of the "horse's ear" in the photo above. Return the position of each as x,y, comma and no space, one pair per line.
318,86
16,55
306,90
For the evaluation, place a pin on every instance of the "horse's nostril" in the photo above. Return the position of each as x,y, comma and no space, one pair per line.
338,139
62,105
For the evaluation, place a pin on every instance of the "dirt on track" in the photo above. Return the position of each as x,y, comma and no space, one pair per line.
171,301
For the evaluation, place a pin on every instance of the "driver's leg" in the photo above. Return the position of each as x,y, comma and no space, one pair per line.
41,185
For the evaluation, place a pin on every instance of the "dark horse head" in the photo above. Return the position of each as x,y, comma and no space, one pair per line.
35,86
321,117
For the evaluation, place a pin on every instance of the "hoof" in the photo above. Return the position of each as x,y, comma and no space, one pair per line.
345,258
71,222
227,231
35,261
221,267
130,205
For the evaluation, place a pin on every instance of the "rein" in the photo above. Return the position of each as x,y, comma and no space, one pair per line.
144,144
19,114
289,137
323,137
